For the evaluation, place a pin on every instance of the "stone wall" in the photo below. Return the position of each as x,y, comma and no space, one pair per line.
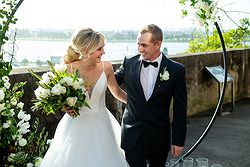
202,89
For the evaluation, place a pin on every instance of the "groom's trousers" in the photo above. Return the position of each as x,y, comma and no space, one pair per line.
137,157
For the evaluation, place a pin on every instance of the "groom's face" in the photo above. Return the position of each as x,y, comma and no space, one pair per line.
147,48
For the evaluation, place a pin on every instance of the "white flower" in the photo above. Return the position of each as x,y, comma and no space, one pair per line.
205,12
22,142
49,141
58,89
29,164
20,122
7,85
5,79
42,93
44,81
13,101
77,85
63,90
164,75
2,107
80,80
6,125
60,68
26,117
20,115
67,80
51,74
20,105
11,156
46,78
38,161
1,95
12,113
23,130
71,101
24,127
6,6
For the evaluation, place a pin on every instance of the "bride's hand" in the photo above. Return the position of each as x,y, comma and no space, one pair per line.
69,111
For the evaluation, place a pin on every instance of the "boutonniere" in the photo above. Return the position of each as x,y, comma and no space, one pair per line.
164,75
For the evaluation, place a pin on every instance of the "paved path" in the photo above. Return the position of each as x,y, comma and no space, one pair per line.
228,141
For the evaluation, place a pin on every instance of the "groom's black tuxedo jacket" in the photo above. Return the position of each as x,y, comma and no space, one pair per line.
149,120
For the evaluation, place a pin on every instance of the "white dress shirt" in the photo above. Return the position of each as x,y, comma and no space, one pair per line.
148,77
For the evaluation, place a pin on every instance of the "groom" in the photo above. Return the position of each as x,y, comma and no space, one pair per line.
152,81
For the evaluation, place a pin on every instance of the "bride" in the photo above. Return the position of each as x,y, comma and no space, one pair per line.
93,138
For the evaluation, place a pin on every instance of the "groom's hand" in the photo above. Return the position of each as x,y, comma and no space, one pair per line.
176,150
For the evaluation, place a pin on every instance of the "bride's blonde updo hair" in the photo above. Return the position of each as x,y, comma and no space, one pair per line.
85,39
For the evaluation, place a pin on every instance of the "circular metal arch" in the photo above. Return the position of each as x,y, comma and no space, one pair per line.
219,103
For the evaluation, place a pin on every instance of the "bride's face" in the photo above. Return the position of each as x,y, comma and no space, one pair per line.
97,54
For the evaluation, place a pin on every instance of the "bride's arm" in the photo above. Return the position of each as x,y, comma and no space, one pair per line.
115,90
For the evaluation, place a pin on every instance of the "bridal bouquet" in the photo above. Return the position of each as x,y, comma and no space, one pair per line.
58,89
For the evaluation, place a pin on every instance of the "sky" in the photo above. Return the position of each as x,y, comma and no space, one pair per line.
112,14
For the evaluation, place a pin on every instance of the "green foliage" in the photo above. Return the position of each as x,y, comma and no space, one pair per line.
34,150
37,145
233,38
58,90
206,13
5,68
7,11
19,145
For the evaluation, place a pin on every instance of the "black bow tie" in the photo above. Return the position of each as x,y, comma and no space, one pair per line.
147,63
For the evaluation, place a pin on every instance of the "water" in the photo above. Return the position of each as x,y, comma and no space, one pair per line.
44,50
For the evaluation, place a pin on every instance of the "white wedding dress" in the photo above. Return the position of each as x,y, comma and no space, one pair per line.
89,140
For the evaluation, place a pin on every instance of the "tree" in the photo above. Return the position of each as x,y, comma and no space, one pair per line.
25,62
39,62
234,38
206,13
